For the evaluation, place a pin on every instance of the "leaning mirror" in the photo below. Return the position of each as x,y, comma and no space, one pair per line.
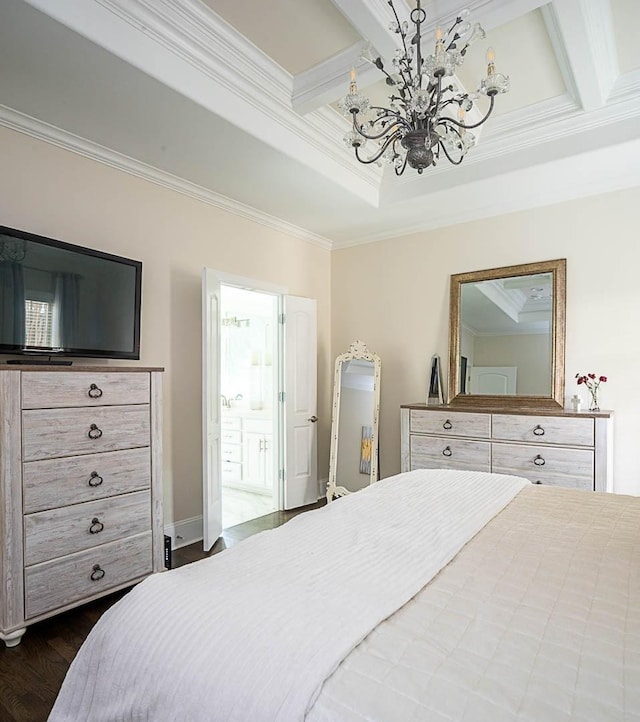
507,336
353,463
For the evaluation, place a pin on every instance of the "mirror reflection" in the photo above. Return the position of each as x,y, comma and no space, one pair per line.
505,336
354,432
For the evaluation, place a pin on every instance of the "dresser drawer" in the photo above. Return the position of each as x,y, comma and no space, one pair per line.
69,529
446,423
231,472
545,464
230,437
60,582
231,452
230,422
258,426
561,430
74,479
51,433
50,390
431,452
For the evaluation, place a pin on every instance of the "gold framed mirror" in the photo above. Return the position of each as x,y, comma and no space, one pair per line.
507,336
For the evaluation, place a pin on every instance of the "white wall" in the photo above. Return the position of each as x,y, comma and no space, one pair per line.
52,192
406,315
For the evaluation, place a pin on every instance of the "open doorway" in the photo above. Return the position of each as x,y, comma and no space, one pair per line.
282,379
248,403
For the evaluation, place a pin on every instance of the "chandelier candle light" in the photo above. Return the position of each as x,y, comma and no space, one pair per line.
421,121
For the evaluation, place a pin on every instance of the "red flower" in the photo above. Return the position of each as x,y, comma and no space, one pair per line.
591,381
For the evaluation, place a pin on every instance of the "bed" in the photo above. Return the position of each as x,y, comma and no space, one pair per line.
432,595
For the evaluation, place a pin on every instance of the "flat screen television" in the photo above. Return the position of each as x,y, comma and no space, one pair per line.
59,299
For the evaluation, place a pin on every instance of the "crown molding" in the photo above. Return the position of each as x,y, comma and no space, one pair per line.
327,81
39,130
626,88
592,173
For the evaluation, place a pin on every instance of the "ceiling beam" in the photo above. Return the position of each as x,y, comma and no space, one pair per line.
371,18
583,40
329,80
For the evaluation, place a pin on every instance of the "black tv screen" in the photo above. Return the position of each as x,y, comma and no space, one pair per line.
60,299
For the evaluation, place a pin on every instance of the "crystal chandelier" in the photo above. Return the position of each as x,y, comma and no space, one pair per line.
426,113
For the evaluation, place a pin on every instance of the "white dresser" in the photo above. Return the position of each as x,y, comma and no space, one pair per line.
560,448
80,487
247,451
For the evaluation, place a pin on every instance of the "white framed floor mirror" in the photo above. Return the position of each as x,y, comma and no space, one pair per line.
353,463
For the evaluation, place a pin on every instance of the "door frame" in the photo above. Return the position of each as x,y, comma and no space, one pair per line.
252,284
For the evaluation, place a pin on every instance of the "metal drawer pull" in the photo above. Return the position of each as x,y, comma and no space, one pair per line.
96,526
97,573
538,431
537,481
95,391
447,451
95,479
539,461
94,432
447,425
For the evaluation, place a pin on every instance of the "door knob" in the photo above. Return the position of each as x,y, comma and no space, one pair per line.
313,419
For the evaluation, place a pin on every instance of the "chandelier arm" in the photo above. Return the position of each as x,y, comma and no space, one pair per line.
404,45
449,158
480,122
398,120
450,128
436,95
400,171
456,22
378,155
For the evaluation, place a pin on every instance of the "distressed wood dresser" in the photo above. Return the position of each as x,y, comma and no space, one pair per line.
80,487
561,448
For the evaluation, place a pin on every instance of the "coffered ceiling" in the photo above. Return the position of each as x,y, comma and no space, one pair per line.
234,103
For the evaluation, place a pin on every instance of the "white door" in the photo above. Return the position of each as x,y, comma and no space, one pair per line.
212,489
300,406
493,380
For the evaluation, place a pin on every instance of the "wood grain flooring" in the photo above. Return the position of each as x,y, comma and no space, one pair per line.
31,673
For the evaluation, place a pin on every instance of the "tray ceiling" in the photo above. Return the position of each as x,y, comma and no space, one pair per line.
234,103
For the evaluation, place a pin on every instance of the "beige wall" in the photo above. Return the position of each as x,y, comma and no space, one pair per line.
529,353
49,191
405,318
52,192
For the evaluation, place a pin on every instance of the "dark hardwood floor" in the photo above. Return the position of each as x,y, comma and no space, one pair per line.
31,673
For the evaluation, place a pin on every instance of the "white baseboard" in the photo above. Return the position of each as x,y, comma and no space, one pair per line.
189,531
185,532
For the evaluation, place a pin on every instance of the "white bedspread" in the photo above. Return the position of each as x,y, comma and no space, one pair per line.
536,620
252,633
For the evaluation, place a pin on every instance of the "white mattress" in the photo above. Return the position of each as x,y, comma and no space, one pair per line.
537,619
